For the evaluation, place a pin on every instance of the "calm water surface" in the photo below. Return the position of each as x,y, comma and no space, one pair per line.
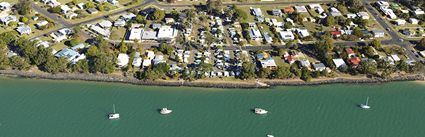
46,108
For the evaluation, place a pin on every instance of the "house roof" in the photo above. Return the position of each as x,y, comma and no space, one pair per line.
24,29
354,60
288,9
122,59
338,62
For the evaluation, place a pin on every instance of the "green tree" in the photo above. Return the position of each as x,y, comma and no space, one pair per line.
165,48
24,7
329,21
4,61
140,19
403,66
421,44
7,38
214,6
282,72
103,63
56,9
265,73
157,15
43,54
93,51
81,66
19,63
123,47
55,65
26,48
369,67
248,70
305,74
295,70
376,44
90,4
240,14
358,32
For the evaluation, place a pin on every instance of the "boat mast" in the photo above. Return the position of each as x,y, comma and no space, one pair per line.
113,105
367,101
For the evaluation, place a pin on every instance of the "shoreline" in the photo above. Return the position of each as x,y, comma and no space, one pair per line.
265,83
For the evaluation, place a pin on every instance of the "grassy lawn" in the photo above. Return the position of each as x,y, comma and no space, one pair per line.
59,46
118,33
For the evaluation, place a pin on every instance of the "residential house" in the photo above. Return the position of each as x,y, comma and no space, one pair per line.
169,20
167,33
149,35
336,33
65,9
288,10
105,24
378,33
267,62
41,24
286,35
383,4
339,62
24,30
122,60
51,3
92,11
78,47
335,12
81,5
256,12
70,15
350,52
354,61
101,31
317,8
158,59
255,34
304,63
128,17
351,16
413,21
363,15
300,9
267,38
417,11
5,6
113,2
303,32
6,20
319,66
389,13
135,34
61,34
277,12
119,23
400,22
395,58
67,53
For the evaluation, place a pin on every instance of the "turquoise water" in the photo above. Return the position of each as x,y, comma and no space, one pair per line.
46,108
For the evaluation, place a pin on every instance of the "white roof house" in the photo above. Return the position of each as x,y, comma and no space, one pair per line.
363,15
418,11
255,34
65,9
303,32
81,5
378,33
101,31
5,5
70,15
128,17
137,61
389,12
135,34
119,23
122,60
338,62
67,53
351,16
300,9
317,8
6,20
150,54
146,63
24,30
51,3
413,21
383,4
78,58
149,35
268,63
400,22
257,12
167,33
105,24
41,23
395,57
319,66
335,12
286,35
79,46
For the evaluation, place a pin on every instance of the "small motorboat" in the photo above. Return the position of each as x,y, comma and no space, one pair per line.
165,111
270,135
260,111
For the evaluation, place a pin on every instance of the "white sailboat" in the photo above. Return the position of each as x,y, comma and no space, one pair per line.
114,115
165,111
270,135
365,106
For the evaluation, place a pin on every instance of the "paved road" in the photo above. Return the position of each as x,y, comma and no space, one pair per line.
52,16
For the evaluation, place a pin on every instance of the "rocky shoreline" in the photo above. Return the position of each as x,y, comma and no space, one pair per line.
224,84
